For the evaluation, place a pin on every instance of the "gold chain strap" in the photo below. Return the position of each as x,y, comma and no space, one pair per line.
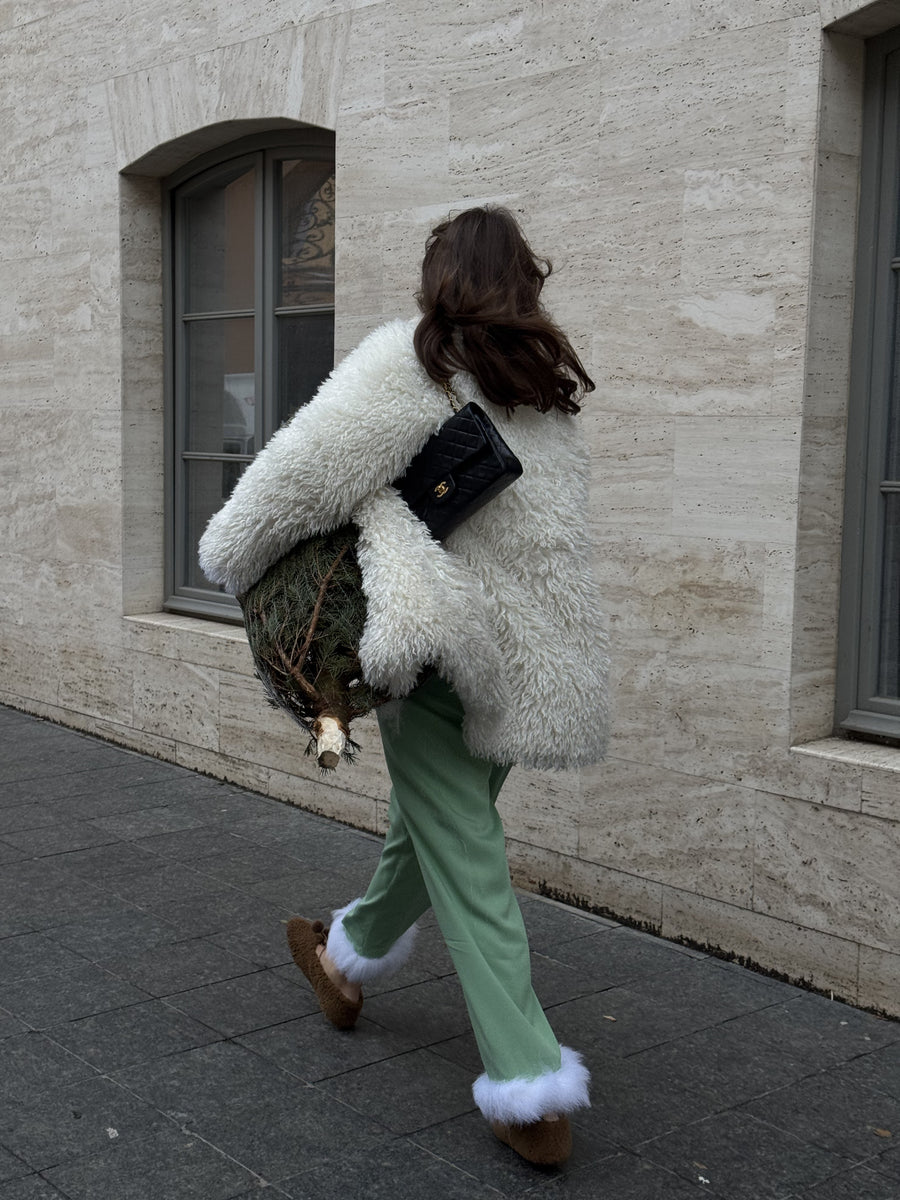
450,394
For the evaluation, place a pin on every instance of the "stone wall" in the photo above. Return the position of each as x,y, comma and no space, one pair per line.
691,167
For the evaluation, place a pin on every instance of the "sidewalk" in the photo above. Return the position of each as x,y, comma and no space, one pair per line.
157,1043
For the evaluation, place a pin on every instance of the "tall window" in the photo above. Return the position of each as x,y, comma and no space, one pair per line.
250,323
869,675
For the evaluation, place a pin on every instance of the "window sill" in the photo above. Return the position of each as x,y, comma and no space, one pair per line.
195,640
853,754
175,621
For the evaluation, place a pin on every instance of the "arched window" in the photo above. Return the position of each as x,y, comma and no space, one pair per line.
868,699
249,323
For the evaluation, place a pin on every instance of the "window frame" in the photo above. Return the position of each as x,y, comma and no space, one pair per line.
262,151
859,710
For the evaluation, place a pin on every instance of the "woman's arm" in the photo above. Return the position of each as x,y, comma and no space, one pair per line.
360,430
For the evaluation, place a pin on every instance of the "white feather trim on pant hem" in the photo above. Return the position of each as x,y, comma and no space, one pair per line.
522,1101
355,966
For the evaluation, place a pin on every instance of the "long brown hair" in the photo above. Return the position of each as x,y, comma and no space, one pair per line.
480,300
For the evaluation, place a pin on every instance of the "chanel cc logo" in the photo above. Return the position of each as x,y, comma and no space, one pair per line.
442,489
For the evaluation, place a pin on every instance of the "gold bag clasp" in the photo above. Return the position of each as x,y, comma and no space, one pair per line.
441,489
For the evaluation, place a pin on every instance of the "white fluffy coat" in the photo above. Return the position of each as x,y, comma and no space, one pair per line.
506,608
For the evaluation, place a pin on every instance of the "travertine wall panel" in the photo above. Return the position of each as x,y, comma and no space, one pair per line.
828,870
793,951
96,684
25,231
736,477
691,167
604,888
637,472
880,795
543,809
879,978
192,710
26,370
560,35
657,824
239,22
540,131
472,43
725,14
707,737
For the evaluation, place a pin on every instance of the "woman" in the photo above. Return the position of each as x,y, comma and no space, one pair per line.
504,611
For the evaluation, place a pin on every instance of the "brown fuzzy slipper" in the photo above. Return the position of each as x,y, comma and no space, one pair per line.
303,937
545,1143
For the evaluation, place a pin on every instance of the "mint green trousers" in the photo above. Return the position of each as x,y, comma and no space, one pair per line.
446,850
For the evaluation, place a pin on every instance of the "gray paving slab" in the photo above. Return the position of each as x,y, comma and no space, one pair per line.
76,1121
395,1169
167,1163
146,988
309,890
435,1009
165,970
297,1046
249,863
724,1065
10,1025
107,935
35,1187
125,1037
553,925
32,1064
217,911
257,1114
888,1163
189,845
878,1070
101,863
467,1140
245,1004
407,1092
159,881
624,1176
818,1110
733,1154
260,945
12,1167
14,817
30,955
59,837
859,1183
37,900
81,991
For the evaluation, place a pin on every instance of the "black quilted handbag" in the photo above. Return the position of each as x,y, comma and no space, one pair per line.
458,470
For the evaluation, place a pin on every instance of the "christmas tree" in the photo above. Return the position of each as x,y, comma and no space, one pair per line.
304,620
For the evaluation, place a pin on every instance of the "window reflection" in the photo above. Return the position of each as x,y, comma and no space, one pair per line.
220,245
307,233
221,387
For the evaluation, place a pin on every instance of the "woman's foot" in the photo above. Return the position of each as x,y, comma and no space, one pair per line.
352,991
307,940
546,1143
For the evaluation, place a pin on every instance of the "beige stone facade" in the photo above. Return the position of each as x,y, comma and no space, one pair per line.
692,168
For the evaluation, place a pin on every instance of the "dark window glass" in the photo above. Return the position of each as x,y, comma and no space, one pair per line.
868,700
305,357
221,250
221,385
251,330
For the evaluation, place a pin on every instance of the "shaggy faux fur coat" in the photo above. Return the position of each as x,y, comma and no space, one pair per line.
506,608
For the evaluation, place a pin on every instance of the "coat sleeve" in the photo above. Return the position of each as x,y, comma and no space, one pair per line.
359,432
